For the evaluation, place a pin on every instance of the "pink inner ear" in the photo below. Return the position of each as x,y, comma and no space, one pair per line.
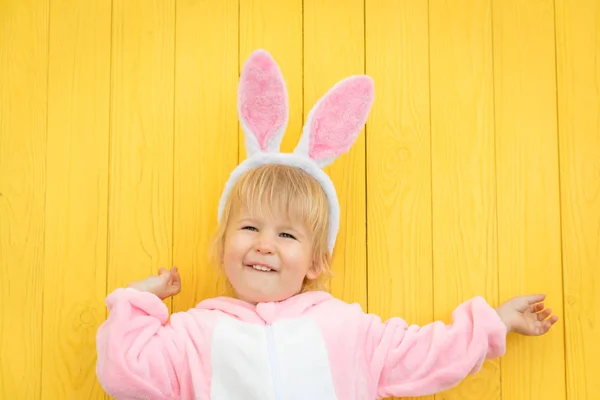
263,98
339,118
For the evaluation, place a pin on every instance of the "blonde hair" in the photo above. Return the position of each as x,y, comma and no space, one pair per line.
275,189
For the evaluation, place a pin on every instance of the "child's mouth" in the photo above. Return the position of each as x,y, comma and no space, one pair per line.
260,267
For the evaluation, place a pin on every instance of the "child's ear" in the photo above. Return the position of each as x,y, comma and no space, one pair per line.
218,251
315,271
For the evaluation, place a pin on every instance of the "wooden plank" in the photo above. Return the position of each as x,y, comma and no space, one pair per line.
141,140
76,197
333,50
276,26
398,162
529,257
205,136
23,111
578,76
463,175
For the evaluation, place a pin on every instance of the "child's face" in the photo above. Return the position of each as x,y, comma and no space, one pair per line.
253,244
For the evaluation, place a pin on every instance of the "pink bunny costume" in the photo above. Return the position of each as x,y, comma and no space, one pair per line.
310,346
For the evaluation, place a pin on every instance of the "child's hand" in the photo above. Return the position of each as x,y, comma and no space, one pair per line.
524,315
163,285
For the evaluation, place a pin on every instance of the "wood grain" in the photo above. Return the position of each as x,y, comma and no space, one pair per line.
23,111
463,176
333,50
398,162
76,197
277,27
529,256
578,77
126,166
141,140
205,136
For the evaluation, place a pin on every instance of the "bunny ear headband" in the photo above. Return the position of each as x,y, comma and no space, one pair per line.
331,128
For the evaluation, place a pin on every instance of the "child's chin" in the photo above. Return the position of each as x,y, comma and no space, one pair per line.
265,297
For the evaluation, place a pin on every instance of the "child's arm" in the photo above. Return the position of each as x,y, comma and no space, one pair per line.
139,353
415,361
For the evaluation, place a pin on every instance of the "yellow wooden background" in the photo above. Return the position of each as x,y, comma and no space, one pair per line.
478,172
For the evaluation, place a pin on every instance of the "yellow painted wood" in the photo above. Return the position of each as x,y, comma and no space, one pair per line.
578,77
141,140
481,165
463,175
76,197
276,26
529,256
205,136
333,50
23,94
398,163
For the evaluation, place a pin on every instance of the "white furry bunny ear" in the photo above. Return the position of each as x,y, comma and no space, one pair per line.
334,123
262,103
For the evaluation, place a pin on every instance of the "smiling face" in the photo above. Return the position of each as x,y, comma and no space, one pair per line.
267,258
272,240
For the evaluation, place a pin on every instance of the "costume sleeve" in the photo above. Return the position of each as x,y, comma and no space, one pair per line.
408,360
139,353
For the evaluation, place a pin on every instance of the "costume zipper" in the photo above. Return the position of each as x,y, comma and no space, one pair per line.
273,359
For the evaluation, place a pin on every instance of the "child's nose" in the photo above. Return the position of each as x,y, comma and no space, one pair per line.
264,244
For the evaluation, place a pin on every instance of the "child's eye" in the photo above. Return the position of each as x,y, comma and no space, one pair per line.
287,235
250,228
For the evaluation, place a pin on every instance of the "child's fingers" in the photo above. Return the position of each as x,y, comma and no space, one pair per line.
535,298
546,325
173,290
175,274
175,281
544,314
534,308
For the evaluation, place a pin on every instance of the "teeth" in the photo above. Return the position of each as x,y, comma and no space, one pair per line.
261,268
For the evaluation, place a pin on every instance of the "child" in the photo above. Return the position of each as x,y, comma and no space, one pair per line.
283,337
